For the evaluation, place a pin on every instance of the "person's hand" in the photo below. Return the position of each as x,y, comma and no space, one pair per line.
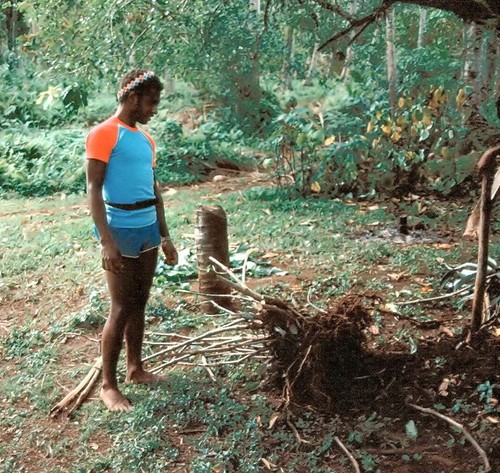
171,256
111,257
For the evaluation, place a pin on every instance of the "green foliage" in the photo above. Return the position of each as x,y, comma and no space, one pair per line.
32,165
20,342
92,315
187,157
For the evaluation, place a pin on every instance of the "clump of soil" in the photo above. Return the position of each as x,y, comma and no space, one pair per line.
314,359
324,361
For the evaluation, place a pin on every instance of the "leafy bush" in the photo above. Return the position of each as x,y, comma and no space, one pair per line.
353,147
42,164
187,157
28,98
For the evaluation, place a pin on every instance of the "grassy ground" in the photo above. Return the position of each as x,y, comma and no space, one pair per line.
53,303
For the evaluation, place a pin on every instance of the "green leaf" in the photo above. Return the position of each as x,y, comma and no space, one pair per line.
424,135
411,430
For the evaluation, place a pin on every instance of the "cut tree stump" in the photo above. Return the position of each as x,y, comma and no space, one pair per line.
212,241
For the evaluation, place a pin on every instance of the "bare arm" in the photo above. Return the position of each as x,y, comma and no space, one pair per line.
171,256
111,257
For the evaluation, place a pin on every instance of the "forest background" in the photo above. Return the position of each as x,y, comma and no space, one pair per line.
356,99
365,110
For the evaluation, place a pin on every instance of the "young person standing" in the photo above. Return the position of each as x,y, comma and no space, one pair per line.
127,208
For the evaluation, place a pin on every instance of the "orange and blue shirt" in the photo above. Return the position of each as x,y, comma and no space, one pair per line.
130,154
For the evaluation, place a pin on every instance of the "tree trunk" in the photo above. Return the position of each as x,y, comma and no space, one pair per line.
471,53
486,167
11,23
212,240
391,58
287,63
312,64
485,76
422,27
349,57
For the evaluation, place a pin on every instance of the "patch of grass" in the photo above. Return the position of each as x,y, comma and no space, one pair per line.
52,286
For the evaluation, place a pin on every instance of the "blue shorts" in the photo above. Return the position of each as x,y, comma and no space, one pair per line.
133,241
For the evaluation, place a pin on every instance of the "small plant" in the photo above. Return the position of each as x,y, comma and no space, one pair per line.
486,396
93,314
461,280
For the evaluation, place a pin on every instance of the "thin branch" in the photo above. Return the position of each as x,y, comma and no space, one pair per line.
467,435
322,311
231,326
333,8
360,22
349,454
209,371
437,298
82,391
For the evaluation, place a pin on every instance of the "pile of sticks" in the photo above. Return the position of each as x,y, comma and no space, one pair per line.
307,356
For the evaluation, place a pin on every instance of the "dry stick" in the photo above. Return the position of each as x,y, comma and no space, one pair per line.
294,429
319,309
245,290
437,298
467,435
225,328
219,348
301,366
85,393
89,379
349,454
209,371
216,349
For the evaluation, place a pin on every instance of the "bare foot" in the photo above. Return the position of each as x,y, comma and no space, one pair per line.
114,400
143,377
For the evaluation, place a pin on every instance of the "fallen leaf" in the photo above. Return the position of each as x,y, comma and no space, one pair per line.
270,255
390,307
443,387
411,429
268,464
374,329
446,331
396,276
444,246
315,187
273,420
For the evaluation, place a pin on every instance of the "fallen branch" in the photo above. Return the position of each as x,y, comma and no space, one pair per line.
74,399
467,435
437,298
349,454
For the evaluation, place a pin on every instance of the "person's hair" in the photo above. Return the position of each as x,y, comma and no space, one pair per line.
139,81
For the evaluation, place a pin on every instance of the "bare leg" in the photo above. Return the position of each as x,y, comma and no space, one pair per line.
122,287
134,330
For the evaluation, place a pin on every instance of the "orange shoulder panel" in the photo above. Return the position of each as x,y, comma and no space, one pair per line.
101,140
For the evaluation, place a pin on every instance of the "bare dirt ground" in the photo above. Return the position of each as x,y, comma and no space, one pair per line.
388,381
